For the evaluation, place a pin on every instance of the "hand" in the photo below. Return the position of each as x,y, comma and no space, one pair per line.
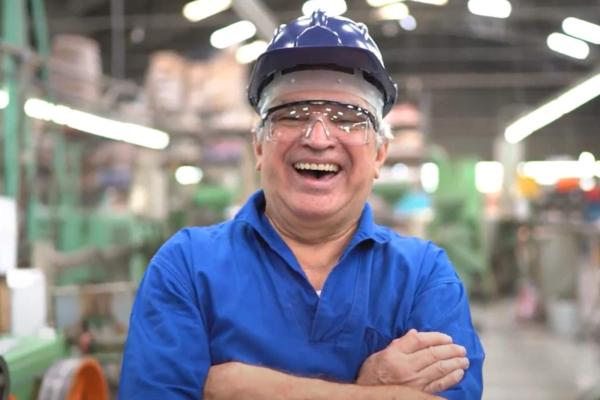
427,361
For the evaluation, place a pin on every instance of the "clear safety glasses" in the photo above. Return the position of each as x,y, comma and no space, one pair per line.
346,123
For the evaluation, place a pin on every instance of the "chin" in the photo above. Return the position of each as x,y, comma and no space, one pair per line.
315,206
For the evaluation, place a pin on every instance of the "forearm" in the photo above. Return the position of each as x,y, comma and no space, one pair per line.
233,381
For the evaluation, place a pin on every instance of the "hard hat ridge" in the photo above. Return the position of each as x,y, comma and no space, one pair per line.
318,32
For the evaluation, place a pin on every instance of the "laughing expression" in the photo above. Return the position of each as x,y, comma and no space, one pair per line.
318,178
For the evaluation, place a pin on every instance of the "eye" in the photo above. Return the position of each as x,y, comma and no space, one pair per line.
289,117
348,118
351,126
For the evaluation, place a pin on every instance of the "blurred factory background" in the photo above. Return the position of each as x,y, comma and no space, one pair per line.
122,121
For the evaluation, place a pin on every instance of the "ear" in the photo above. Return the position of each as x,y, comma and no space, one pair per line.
258,149
380,157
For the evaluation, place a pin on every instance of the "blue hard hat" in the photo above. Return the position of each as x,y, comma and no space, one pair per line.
322,42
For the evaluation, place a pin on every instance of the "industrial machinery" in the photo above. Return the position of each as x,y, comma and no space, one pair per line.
91,259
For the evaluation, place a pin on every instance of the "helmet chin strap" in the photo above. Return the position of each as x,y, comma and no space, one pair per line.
320,80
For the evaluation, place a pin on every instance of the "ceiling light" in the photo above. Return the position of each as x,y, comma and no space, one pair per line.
400,171
489,176
582,29
380,3
188,175
490,8
553,110
232,34
250,52
430,177
587,163
200,9
550,172
3,99
568,45
393,11
408,23
96,125
333,7
587,184
433,2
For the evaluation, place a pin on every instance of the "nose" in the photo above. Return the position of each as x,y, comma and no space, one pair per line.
318,134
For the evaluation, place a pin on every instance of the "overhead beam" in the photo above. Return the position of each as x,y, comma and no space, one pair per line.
259,14
424,15
472,80
81,7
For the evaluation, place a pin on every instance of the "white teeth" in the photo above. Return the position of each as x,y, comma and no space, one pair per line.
317,167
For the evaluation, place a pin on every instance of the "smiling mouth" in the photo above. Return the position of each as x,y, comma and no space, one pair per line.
317,170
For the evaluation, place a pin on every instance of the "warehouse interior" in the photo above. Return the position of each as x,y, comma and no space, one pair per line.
124,121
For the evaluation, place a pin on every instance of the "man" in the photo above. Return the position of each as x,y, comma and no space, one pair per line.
302,295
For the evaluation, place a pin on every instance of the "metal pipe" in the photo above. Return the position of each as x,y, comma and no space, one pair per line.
14,34
117,34
259,14
94,288
61,260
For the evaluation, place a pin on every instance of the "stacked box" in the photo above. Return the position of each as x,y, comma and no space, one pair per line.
166,81
76,69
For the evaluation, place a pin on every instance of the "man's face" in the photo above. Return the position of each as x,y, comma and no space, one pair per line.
287,168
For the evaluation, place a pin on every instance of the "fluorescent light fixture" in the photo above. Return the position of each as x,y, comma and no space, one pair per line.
400,172
250,52
4,100
333,7
587,184
393,11
490,8
553,110
430,177
188,175
587,158
433,2
232,34
581,29
568,45
200,9
408,23
587,163
550,172
489,176
96,125
380,3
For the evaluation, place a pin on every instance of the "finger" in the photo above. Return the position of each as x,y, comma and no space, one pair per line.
415,341
442,368
426,357
445,382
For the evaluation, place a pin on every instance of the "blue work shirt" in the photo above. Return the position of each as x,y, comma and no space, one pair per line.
235,292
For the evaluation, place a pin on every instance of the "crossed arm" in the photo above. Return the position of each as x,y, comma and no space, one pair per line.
410,367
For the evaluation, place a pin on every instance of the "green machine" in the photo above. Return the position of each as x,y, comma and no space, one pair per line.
458,225
25,361
92,246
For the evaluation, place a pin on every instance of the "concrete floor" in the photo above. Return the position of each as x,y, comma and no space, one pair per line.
527,361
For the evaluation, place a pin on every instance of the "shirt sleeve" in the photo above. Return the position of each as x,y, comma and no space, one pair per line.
442,306
166,354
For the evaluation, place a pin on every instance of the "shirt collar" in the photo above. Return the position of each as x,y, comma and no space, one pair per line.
253,212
